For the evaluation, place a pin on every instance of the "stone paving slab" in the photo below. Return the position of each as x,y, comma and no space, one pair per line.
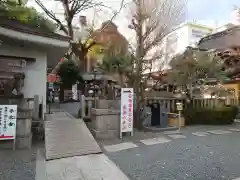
153,141
120,147
172,132
89,167
69,137
234,129
201,134
219,132
177,136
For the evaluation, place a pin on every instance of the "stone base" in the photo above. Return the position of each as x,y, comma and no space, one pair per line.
105,123
110,134
24,142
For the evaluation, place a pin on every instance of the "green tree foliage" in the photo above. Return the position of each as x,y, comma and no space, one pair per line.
193,68
13,10
69,73
119,65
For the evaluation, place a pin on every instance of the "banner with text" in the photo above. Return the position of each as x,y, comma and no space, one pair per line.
126,124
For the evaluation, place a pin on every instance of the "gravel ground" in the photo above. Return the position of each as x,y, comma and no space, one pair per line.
215,157
18,164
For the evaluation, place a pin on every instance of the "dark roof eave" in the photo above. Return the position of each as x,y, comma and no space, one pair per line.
218,34
17,26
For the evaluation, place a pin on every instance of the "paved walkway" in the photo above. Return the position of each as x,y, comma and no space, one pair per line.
72,153
89,167
66,136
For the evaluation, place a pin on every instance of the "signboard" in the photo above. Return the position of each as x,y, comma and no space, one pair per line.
8,116
126,122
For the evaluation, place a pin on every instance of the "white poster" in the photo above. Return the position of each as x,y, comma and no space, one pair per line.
126,124
74,92
8,116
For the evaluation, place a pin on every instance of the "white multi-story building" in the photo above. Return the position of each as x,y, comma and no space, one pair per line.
184,35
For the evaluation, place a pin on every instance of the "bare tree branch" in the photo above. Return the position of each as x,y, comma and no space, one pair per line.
51,15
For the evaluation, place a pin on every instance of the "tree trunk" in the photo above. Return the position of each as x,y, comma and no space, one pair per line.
139,60
137,88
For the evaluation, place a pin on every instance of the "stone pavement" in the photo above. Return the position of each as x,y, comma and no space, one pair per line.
72,153
89,167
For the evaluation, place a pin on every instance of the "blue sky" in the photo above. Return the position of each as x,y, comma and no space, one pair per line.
208,11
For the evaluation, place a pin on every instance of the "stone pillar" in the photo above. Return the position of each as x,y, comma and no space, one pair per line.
23,131
82,106
90,106
36,107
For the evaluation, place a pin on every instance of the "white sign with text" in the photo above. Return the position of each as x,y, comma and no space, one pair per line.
126,122
8,117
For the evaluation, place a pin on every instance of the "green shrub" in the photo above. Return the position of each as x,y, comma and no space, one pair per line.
211,116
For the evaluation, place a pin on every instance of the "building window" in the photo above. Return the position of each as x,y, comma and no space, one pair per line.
198,33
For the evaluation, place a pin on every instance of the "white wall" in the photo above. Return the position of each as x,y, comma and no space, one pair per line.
35,72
